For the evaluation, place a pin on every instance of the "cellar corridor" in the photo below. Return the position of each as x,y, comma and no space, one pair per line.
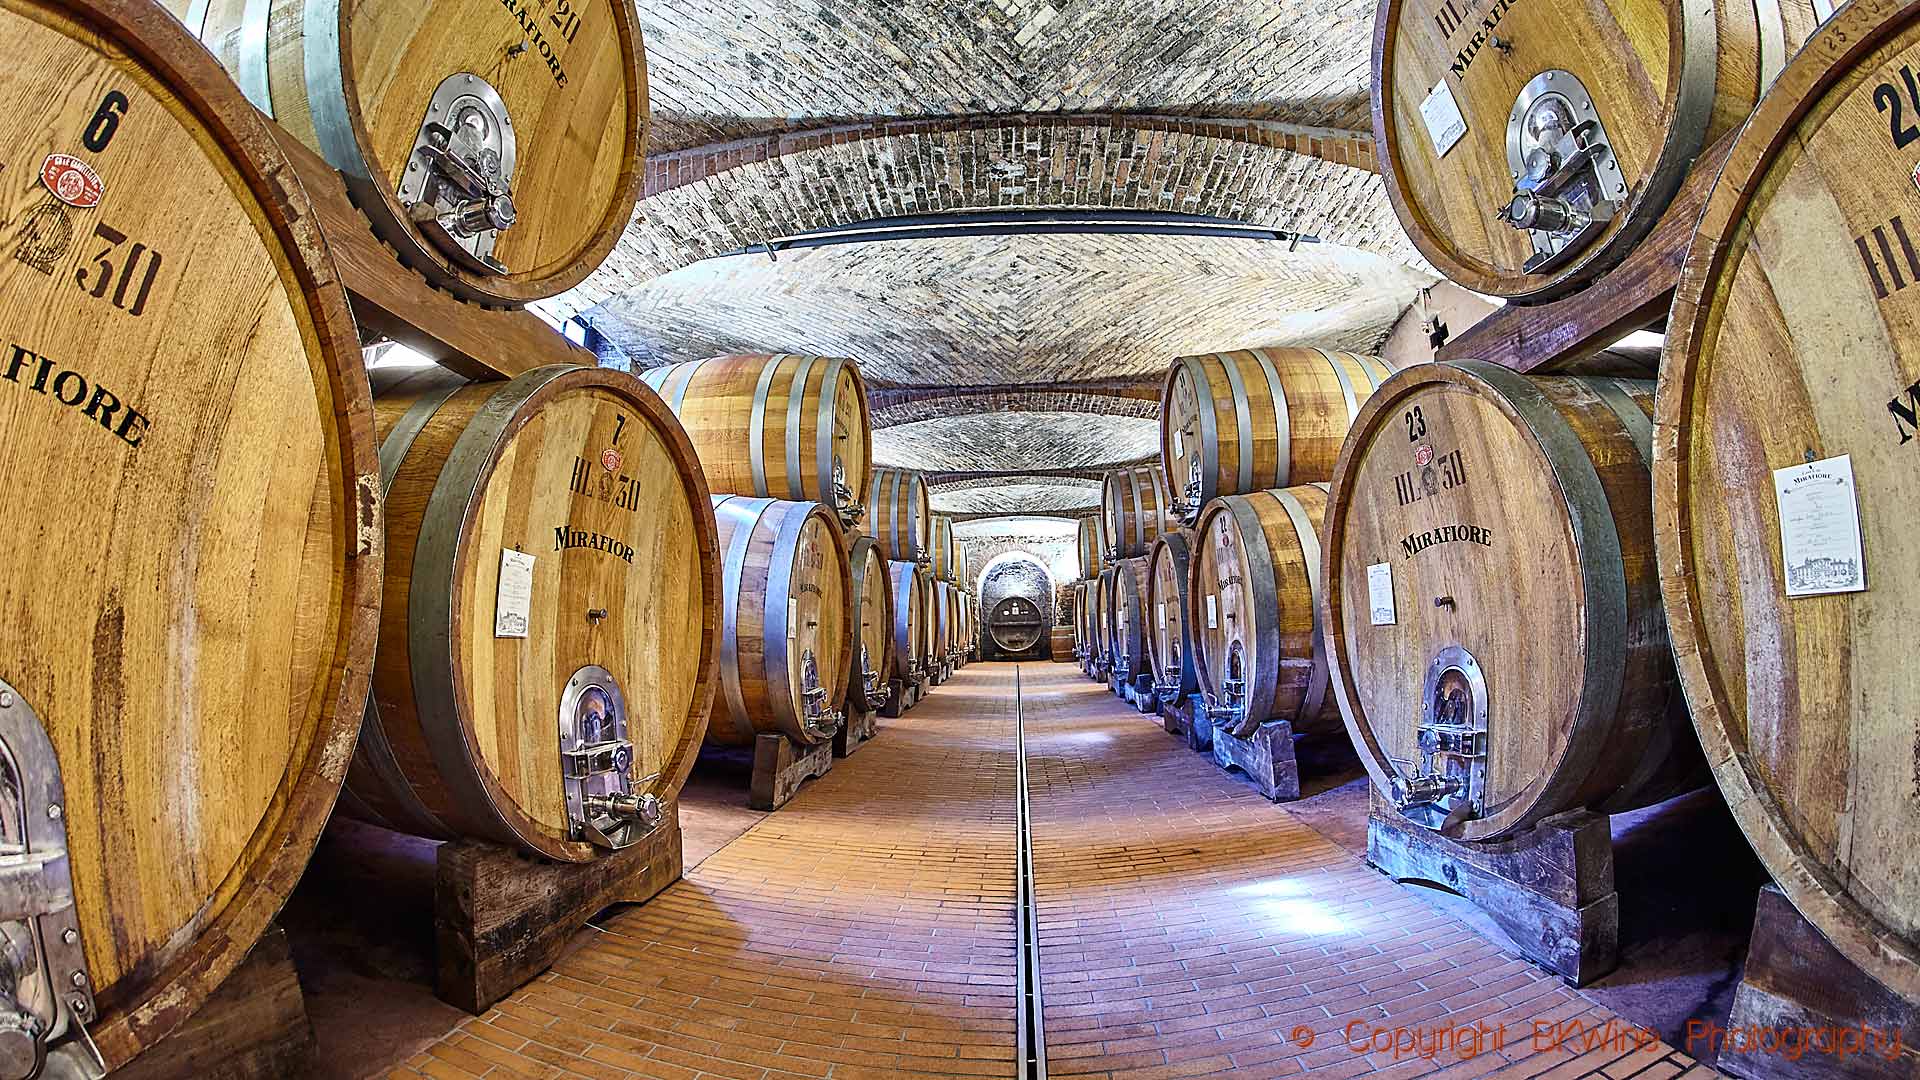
1187,927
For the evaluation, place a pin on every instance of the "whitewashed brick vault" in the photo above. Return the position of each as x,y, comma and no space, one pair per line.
723,71
1011,367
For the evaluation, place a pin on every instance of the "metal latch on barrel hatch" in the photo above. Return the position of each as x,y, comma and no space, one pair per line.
1567,183
458,187
816,718
596,764
873,684
1450,784
1231,705
47,999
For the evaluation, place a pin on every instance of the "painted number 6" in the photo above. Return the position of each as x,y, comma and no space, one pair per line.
106,120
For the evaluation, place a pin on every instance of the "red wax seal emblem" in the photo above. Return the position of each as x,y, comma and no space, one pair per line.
610,459
71,180
1423,457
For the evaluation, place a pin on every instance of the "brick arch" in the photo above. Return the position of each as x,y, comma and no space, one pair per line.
1015,572
1011,399
995,163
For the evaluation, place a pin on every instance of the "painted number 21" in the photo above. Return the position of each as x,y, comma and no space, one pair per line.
1887,99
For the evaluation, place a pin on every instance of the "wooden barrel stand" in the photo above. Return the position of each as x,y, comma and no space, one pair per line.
502,916
1264,757
1796,980
255,1027
1549,887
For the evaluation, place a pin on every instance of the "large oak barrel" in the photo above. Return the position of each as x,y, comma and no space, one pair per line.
776,426
911,586
969,627
1238,422
1092,557
1060,644
497,148
943,628
1491,607
946,554
552,598
1597,110
1258,650
1794,346
1169,637
1135,509
1016,626
192,524
871,590
789,641
1102,622
900,518
1128,621
1083,622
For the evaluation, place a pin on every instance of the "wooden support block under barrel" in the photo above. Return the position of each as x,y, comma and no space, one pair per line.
1797,982
501,917
1266,757
781,765
855,732
1549,887
1199,728
906,694
1178,717
254,1027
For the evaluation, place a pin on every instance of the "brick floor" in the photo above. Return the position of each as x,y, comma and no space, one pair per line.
1188,928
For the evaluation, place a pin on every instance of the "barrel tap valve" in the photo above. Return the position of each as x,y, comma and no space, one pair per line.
875,687
47,999
1450,783
458,184
816,718
596,764
1567,184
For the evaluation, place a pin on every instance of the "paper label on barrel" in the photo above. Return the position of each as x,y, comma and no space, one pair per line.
1820,528
1380,593
1179,445
793,623
1445,125
1213,612
513,603
1163,614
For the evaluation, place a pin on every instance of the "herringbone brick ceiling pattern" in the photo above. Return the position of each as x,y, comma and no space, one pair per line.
721,71
951,106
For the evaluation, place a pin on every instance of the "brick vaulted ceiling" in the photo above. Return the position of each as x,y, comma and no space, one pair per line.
1013,366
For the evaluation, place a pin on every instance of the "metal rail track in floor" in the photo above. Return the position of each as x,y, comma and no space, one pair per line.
1030,1048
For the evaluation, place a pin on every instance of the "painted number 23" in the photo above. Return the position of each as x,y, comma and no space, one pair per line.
1416,425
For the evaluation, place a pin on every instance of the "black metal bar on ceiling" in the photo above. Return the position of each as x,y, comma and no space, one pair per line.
1026,222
